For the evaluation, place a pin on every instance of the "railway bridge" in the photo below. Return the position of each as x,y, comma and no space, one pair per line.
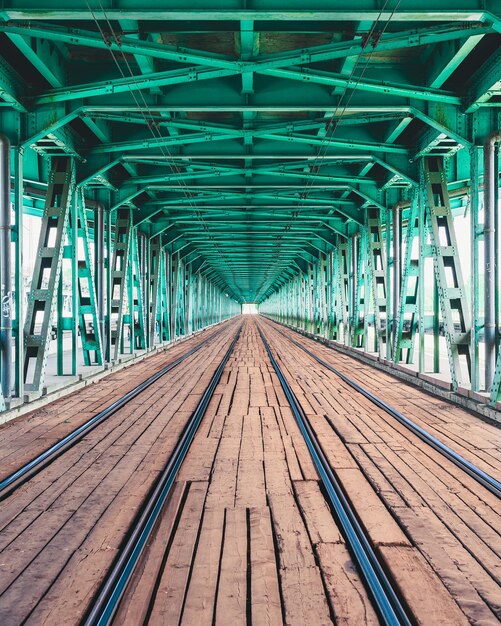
250,314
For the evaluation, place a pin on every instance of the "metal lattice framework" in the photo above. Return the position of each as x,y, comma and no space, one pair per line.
247,152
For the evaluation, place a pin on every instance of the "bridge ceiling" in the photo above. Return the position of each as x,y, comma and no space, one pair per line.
250,138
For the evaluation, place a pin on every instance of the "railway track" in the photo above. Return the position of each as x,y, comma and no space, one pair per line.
30,469
108,598
243,488
484,479
382,589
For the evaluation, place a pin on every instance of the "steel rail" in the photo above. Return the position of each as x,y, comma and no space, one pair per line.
381,589
108,599
487,481
12,482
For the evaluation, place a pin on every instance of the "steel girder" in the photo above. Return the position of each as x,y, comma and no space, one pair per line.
245,168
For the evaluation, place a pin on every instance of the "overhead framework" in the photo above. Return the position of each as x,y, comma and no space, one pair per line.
311,157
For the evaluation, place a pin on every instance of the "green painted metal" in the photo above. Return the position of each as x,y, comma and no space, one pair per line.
17,238
120,274
448,273
155,266
43,295
87,304
136,308
260,163
407,322
495,395
378,276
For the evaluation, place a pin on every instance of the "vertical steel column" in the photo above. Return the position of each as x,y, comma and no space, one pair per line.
88,314
448,273
120,277
397,256
74,275
109,287
490,185
99,263
152,292
352,250
47,271
18,274
476,233
390,266
5,269
5,272
378,269
421,275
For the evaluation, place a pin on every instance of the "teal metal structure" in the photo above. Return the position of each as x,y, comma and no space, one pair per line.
313,158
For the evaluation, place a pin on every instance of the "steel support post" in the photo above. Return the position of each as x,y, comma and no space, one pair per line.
74,275
144,269
109,286
476,233
397,272
490,188
390,267
352,255
344,290
46,275
173,282
408,306
366,298
99,265
448,273
5,270
18,274
378,270
120,277
129,261
60,325
88,314
421,276
154,303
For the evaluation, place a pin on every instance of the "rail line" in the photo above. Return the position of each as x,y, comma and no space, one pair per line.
385,597
487,481
12,482
108,598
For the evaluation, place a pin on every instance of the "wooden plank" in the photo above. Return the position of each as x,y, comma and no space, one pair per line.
316,512
377,520
201,594
348,597
266,608
429,601
167,605
231,606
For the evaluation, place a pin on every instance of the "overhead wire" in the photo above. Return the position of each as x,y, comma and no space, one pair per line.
336,114
153,126
331,126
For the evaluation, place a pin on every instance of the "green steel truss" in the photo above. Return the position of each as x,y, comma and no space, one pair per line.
155,266
448,273
43,295
87,304
377,265
120,277
135,317
496,385
407,320
253,154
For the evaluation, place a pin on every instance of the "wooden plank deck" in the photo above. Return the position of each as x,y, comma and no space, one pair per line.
452,523
250,551
60,531
22,439
247,536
